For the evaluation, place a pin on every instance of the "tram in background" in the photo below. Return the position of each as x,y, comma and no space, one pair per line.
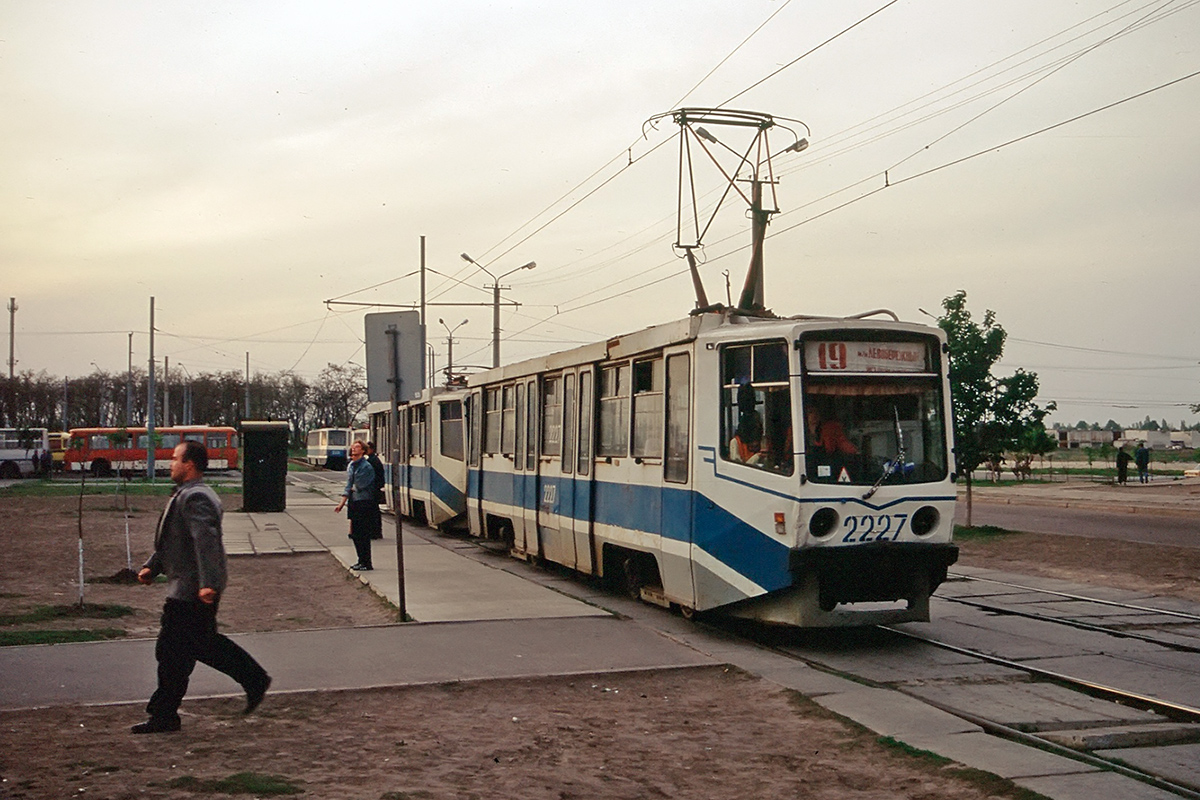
21,450
328,447
104,451
794,471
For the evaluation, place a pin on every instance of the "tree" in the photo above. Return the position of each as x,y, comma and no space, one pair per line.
991,415
339,395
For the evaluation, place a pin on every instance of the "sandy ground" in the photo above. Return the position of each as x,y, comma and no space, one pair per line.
708,733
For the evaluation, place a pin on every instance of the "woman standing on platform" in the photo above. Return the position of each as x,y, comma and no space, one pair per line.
360,492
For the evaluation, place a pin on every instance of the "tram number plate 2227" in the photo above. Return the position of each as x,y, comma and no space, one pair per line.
873,527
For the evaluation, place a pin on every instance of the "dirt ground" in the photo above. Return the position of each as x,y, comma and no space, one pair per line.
708,733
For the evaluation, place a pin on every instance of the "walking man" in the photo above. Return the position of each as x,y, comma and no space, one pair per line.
1141,457
189,550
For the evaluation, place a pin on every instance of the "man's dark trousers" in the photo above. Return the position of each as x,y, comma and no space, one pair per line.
189,634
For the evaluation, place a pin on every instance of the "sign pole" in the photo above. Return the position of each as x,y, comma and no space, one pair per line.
394,335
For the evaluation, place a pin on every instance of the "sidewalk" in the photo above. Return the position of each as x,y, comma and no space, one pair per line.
1163,496
483,616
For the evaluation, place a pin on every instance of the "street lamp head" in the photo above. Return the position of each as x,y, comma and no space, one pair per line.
798,146
530,265
466,258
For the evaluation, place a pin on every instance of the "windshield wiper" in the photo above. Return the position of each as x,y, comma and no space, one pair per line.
896,463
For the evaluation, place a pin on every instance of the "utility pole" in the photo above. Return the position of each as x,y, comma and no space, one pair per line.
496,287
12,326
66,381
752,291
247,414
166,391
129,386
150,397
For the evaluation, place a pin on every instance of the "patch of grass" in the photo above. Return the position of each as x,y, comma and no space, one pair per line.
65,488
73,611
908,749
416,794
981,532
254,783
21,638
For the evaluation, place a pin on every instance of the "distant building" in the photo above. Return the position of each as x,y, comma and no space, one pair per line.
1070,438
1155,440
1189,440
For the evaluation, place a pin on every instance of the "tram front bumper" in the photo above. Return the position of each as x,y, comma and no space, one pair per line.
873,572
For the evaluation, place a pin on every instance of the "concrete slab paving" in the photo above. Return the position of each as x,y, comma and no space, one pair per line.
1093,786
1002,757
1031,706
1178,762
889,713
348,658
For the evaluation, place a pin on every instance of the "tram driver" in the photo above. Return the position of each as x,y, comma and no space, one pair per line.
828,446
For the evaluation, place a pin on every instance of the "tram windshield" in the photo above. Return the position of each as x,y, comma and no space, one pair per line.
873,413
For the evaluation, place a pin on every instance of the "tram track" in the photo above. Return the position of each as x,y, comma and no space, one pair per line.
1175,712
1119,632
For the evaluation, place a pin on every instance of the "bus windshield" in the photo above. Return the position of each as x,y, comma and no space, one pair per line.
337,438
869,423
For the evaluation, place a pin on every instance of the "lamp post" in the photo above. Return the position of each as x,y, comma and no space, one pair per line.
496,288
450,348
187,396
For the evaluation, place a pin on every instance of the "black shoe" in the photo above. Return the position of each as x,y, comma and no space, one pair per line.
255,694
365,568
153,725
356,567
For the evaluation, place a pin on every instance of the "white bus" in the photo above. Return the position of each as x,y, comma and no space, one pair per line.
21,450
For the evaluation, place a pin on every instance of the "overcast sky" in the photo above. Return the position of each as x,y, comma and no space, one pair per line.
243,162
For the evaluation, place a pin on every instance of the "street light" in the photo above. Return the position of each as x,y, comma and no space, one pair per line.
495,287
187,396
450,348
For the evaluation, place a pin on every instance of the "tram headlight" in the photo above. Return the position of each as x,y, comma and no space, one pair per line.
925,520
823,522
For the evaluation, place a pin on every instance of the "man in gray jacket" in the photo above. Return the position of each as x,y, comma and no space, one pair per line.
189,550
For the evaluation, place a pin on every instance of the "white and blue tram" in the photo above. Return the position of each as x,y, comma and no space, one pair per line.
328,447
793,471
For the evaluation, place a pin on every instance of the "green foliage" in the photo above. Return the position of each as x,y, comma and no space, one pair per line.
991,415
87,610
254,783
24,638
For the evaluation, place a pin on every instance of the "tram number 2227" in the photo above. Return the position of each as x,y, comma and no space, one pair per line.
871,528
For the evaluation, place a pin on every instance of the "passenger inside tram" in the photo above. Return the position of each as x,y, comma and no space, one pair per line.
830,452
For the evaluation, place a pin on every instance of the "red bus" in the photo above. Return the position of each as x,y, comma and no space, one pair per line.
103,451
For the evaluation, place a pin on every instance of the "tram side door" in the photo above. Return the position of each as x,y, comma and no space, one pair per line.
529,488
581,508
676,530
556,467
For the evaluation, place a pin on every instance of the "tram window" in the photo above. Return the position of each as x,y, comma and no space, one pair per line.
97,442
337,438
647,408
756,407
584,464
568,424
214,441
474,428
614,411
531,419
862,430
679,394
416,430
519,455
552,417
451,429
492,427
508,421
169,441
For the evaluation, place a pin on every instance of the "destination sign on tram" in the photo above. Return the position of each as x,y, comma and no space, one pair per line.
822,356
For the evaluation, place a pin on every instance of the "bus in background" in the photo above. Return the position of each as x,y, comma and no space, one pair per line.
59,442
103,451
21,450
328,447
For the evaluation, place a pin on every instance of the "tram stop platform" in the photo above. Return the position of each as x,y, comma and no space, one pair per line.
480,615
